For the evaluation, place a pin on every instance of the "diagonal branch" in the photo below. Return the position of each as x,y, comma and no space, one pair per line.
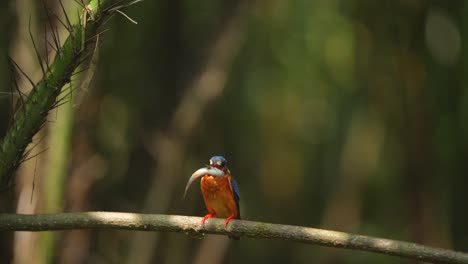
191,225
30,118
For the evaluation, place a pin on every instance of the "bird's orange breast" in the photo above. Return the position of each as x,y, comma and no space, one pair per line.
218,196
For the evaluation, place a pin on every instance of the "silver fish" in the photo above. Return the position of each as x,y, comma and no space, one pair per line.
213,171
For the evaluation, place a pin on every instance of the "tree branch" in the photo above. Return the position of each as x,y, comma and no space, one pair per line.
191,226
30,118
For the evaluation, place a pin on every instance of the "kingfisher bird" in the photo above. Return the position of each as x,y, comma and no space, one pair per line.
219,190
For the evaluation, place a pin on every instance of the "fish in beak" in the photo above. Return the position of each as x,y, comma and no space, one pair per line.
213,171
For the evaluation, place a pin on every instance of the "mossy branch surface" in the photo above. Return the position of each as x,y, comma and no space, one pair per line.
32,115
258,230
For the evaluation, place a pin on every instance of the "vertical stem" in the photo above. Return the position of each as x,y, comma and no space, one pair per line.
58,163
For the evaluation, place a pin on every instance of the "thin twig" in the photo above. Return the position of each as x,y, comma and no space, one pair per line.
191,226
36,50
127,17
33,183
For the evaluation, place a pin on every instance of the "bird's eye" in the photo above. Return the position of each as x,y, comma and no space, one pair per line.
219,162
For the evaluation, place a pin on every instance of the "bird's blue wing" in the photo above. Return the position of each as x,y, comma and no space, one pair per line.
235,191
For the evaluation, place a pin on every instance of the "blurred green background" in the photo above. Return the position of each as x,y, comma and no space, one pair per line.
347,115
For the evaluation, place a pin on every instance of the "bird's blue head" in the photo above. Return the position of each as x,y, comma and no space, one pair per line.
219,162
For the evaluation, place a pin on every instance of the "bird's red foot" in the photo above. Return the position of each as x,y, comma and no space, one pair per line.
229,219
208,216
